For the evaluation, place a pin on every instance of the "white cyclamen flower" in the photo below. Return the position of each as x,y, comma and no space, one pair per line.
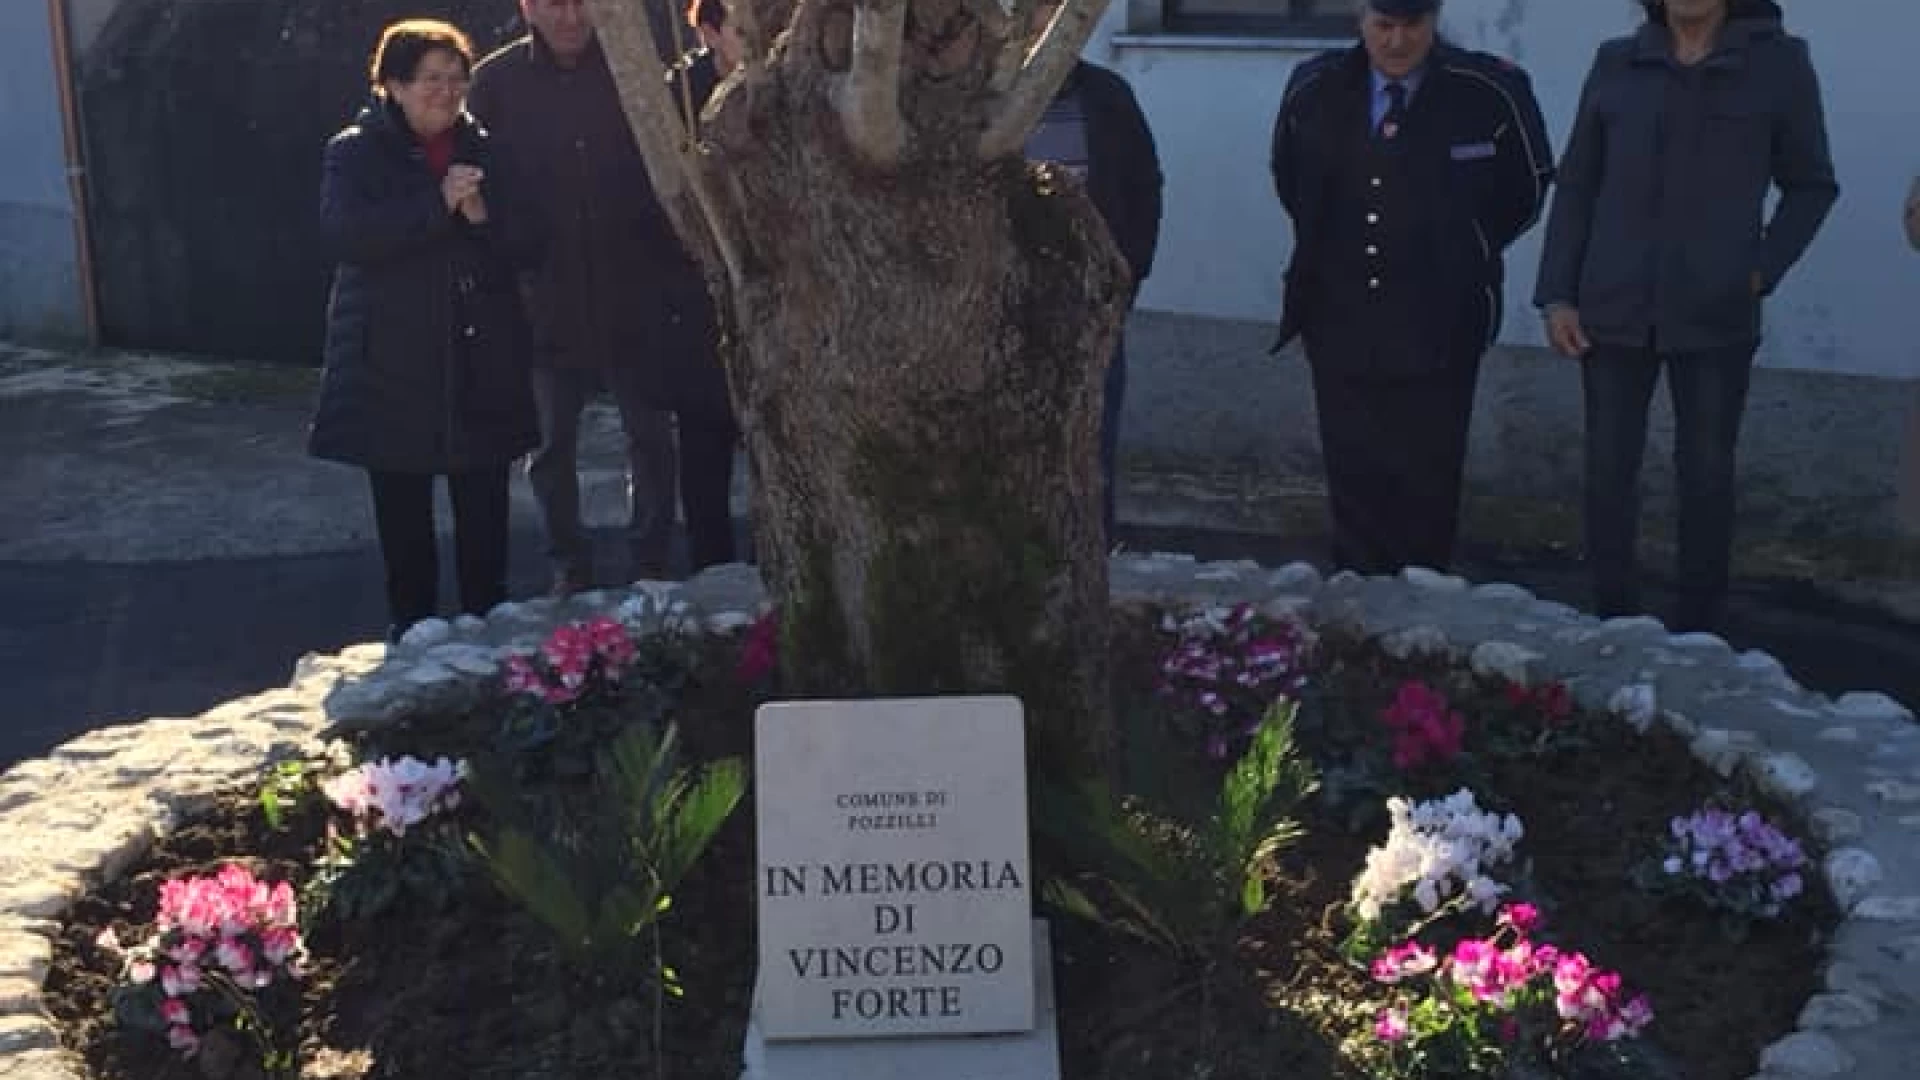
1434,852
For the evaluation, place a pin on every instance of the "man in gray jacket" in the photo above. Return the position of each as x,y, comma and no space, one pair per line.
1657,257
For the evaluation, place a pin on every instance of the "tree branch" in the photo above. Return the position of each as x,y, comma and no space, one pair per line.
1020,107
1014,46
665,143
868,95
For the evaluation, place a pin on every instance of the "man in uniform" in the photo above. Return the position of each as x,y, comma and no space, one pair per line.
1408,166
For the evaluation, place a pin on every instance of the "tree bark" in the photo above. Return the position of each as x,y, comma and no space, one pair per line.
917,326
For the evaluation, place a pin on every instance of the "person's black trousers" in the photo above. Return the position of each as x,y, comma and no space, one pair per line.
707,441
1709,392
1394,449
403,515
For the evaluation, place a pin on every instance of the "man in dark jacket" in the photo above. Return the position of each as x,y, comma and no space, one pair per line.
1656,257
1408,166
605,303
1094,128
709,432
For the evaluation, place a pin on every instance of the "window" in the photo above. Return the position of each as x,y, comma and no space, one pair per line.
1315,18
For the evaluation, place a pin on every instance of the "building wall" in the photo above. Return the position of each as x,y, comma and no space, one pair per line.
39,278
1848,308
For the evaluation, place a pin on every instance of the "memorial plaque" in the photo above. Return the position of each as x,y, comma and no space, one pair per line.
893,884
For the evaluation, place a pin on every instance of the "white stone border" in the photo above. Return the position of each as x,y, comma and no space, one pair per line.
95,805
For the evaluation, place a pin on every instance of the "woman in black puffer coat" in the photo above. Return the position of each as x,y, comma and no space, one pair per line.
427,345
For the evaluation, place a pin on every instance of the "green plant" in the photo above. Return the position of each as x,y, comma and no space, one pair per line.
403,841
1182,888
360,877
289,786
602,883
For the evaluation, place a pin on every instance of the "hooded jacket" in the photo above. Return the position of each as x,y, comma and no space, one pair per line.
1658,234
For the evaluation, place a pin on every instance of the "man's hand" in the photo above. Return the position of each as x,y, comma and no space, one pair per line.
462,183
1565,333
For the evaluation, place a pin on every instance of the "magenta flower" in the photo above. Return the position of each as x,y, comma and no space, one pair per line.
1404,961
1391,1027
760,652
1522,917
571,662
1425,729
1228,667
1496,990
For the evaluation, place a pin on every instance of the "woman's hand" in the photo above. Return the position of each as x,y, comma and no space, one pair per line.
461,184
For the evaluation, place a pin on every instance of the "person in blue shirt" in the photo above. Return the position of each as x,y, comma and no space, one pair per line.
1408,165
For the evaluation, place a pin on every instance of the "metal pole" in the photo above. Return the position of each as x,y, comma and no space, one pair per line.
76,167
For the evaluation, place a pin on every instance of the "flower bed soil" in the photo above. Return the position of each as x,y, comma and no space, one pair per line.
479,991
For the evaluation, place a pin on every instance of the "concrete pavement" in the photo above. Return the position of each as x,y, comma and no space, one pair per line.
165,544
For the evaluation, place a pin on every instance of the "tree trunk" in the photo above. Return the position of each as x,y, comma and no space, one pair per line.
917,332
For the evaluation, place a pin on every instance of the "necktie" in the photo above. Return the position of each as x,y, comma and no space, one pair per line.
1396,114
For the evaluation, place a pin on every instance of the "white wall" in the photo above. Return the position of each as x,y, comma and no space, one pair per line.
1852,306
39,282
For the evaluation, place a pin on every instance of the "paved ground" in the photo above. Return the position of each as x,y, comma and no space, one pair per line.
165,545
83,644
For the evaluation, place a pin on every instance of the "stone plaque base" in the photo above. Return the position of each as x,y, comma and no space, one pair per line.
1033,1055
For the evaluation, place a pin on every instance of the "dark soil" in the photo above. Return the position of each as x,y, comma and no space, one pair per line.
480,991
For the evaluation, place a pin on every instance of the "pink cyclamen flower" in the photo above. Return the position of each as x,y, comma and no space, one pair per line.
760,653
1404,961
1391,1027
179,981
611,644
279,943
175,1011
183,1039
1522,917
235,956
521,678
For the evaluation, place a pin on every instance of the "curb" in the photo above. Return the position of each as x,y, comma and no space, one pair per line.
95,805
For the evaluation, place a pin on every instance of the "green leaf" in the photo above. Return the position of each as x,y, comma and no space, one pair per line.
270,807
687,828
1072,901
534,878
1253,895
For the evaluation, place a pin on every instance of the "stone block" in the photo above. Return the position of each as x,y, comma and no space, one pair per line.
1033,1055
